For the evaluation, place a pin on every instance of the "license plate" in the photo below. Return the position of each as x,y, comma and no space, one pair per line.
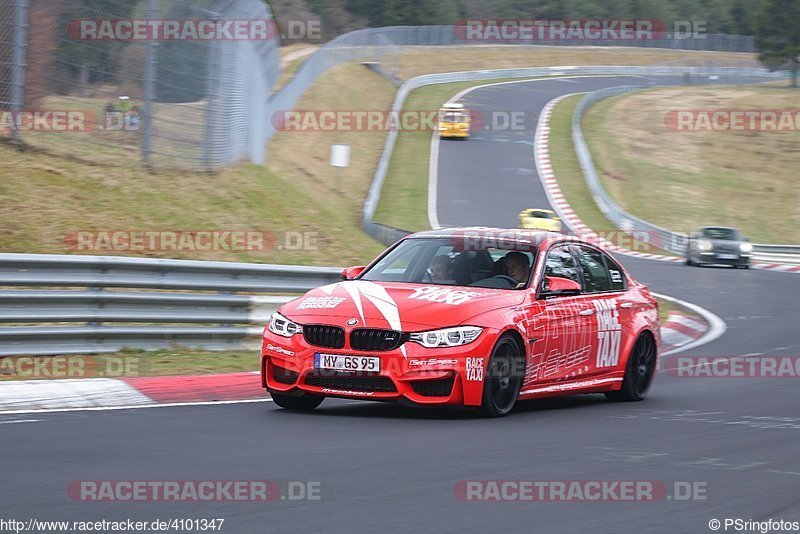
339,362
727,256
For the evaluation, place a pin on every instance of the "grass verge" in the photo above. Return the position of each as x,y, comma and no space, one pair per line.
129,363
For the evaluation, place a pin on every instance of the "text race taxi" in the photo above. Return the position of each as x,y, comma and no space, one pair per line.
472,317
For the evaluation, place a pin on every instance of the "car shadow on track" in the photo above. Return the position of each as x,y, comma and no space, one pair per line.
384,410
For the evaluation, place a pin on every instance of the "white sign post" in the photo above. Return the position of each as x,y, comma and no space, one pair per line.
340,158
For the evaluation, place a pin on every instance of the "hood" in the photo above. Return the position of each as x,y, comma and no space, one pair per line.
399,306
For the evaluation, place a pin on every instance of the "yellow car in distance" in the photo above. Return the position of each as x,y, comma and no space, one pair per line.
453,121
539,219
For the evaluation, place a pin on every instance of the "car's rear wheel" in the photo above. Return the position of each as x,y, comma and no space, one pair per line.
306,401
503,378
639,371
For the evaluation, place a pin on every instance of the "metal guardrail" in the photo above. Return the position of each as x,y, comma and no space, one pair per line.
382,45
198,308
659,237
388,237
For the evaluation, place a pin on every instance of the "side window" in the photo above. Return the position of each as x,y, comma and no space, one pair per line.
595,274
616,274
560,262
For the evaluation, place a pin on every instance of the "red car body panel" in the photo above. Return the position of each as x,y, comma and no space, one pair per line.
566,352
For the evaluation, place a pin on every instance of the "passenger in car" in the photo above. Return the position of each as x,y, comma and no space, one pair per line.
442,270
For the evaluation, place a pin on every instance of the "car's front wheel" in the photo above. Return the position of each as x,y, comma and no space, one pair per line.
306,401
503,378
639,371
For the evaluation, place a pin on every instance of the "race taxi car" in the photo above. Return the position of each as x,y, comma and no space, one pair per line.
453,121
471,317
539,219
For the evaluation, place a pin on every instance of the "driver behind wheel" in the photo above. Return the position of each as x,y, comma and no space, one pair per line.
441,270
517,266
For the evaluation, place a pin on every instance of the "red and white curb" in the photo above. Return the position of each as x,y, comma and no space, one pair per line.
545,170
680,329
128,393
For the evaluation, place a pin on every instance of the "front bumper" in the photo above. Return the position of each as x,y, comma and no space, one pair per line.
441,376
454,132
724,258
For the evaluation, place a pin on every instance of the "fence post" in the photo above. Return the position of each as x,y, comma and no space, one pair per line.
18,59
212,105
150,78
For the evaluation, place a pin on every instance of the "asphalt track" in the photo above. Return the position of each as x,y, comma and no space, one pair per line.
392,469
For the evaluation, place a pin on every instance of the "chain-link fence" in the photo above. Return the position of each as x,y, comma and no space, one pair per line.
80,84
106,81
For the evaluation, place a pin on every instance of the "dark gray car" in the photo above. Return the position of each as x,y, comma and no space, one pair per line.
718,245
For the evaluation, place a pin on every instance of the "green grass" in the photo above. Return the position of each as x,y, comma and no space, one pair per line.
132,363
44,198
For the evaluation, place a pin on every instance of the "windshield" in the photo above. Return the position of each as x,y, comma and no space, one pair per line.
451,116
541,215
727,234
445,261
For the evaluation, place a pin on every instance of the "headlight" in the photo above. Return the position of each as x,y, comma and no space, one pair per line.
705,244
278,324
746,247
447,337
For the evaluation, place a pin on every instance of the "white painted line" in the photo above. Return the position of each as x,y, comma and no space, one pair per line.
133,407
19,421
717,326
433,182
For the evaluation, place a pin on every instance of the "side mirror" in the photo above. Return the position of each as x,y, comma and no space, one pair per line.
352,273
553,286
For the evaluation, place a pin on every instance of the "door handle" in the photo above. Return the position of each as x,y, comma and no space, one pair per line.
586,312
626,305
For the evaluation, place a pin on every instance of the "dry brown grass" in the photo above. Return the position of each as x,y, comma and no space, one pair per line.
744,179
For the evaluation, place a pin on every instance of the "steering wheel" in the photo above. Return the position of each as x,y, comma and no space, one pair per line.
512,281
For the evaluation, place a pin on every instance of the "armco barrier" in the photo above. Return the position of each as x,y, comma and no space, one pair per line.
167,302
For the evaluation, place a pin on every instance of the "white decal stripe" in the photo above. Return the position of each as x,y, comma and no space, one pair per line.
352,290
568,386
